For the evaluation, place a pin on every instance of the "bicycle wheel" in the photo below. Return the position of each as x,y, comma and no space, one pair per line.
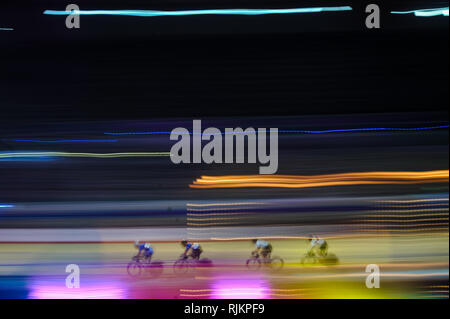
308,260
134,269
276,263
181,266
253,263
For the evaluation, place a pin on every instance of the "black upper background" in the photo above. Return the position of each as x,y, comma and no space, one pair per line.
140,68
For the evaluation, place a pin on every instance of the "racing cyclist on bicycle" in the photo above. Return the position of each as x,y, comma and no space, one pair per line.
262,248
318,246
145,250
192,250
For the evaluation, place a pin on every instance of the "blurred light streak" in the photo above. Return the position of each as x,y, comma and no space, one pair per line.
404,220
412,210
50,155
362,274
67,141
415,225
424,229
204,216
199,219
214,209
6,205
292,181
210,224
6,29
209,293
414,200
298,131
224,204
409,216
363,234
43,289
156,13
240,289
219,214
416,205
425,12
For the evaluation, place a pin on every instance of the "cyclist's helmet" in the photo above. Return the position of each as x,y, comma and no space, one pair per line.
184,243
254,240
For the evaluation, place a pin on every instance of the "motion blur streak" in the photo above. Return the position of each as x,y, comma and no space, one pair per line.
291,181
349,130
13,155
66,141
99,289
224,204
425,12
155,13
414,200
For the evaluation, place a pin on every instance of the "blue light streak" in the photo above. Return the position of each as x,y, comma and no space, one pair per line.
157,13
6,205
26,157
298,131
425,12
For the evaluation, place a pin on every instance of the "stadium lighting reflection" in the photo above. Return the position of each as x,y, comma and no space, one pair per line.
41,289
240,289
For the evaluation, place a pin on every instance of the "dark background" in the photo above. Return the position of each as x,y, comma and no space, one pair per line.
201,66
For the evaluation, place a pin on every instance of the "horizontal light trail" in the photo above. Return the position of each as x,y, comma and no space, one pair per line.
341,179
31,155
224,204
65,141
423,230
6,29
415,225
211,224
416,205
351,130
219,214
414,200
406,216
412,210
247,289
217,209
425,12
6,205
175,13
404,220
200,219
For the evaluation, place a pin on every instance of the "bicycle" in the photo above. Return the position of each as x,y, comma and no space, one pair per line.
311,258
182,265
255,262
138,267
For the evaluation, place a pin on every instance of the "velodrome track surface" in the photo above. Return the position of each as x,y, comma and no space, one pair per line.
412,266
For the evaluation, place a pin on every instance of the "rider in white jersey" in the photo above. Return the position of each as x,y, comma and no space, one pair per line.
262,247
318,245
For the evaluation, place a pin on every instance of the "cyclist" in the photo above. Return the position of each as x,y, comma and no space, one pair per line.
262,248
145,250
192,250
318,245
